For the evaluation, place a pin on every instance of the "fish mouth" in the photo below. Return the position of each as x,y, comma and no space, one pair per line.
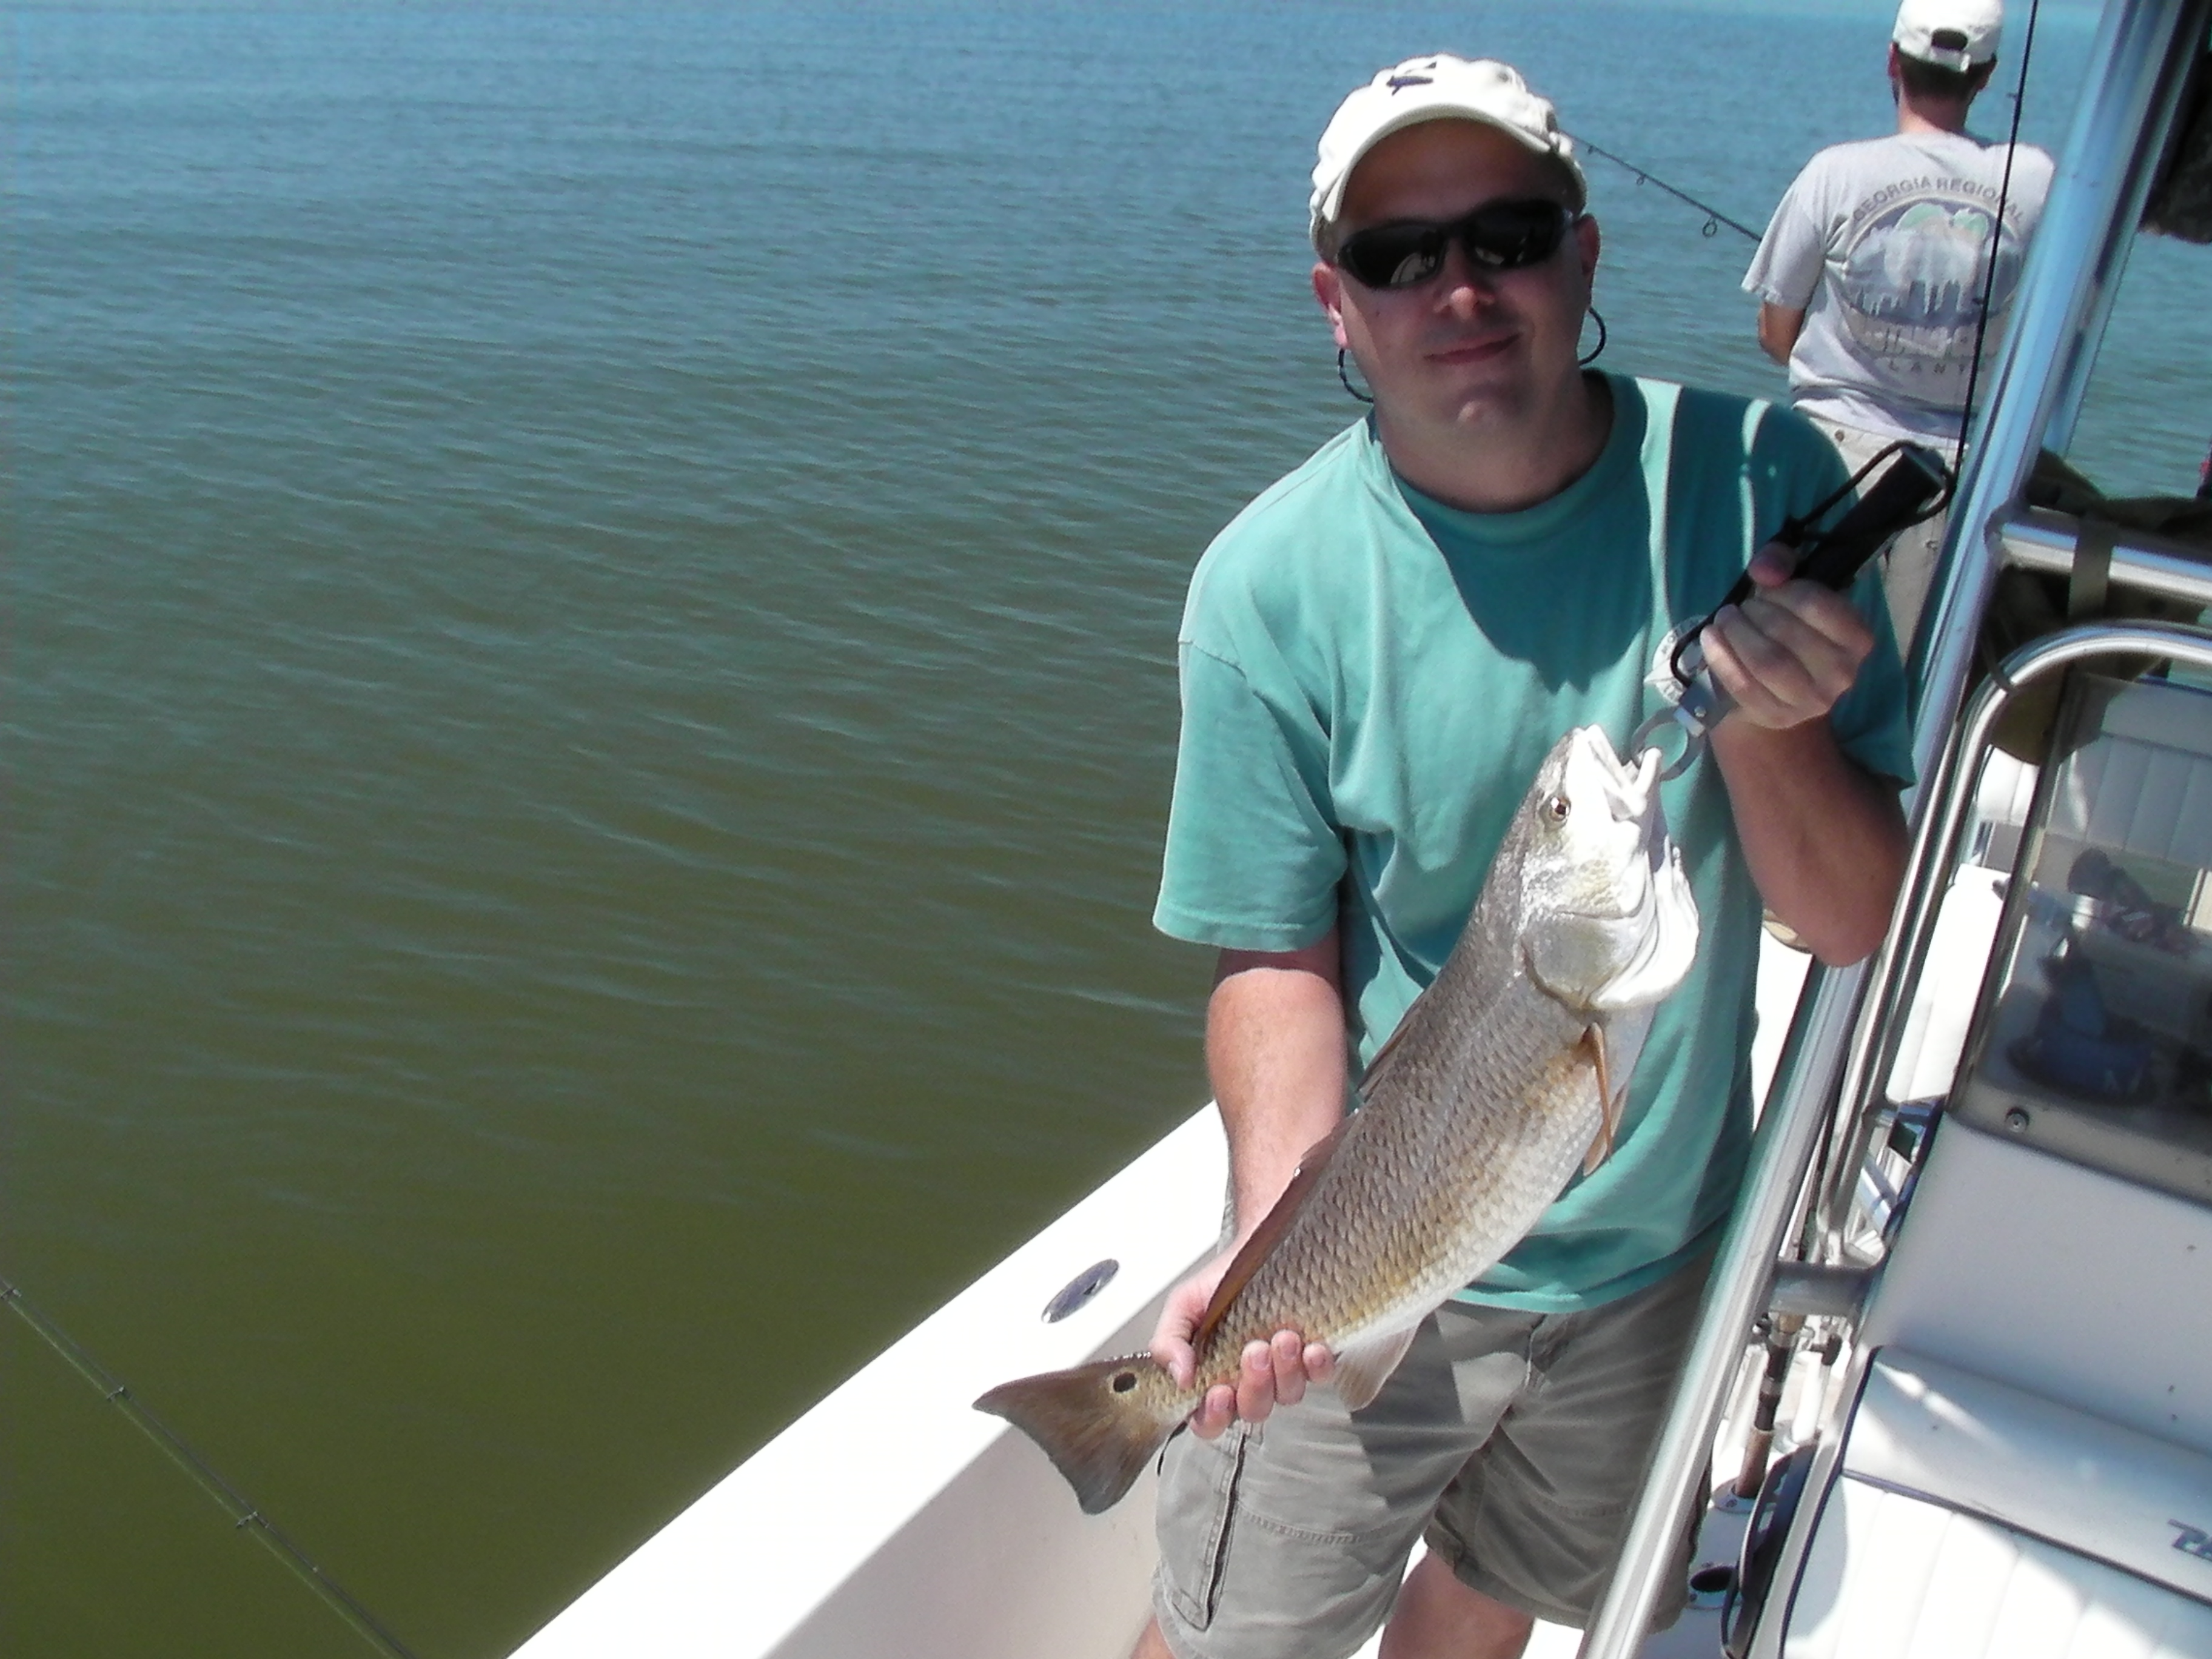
1630,789
1621,794
1627,785
1624,930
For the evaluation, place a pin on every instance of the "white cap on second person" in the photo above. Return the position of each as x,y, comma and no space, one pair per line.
1437,88
1952,34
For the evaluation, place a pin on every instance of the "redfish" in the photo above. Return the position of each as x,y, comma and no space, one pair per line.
1506,1074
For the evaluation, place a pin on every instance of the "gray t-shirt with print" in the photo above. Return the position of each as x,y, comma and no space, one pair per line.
1883,244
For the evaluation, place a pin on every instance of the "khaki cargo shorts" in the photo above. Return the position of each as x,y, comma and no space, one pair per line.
1908,563
1514,1443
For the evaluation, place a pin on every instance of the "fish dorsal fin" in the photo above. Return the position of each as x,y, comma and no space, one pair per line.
1608,1108
1388,1054
1380,1065
1365,1367
1269,1233
1482,964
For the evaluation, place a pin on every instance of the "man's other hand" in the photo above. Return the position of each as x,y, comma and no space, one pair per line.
1272,1373
1790,650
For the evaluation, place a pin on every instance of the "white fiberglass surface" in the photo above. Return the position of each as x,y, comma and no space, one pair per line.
1895,1577
2059,1475
2072,1284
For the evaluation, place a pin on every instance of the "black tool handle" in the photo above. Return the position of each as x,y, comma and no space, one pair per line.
1898,498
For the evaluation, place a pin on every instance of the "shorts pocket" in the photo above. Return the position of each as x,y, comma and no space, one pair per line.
1197,1503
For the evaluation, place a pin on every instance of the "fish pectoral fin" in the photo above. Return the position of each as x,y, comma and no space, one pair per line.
1609,1107
1379,1067
1363,1368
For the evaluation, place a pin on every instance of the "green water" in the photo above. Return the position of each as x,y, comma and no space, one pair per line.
590,701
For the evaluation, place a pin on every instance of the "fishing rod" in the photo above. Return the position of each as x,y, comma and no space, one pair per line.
245,1515
1997,239
1714,217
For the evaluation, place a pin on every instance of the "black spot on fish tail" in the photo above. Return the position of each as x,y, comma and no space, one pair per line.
1090,1421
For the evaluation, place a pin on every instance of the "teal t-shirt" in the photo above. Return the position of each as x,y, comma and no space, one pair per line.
1371,679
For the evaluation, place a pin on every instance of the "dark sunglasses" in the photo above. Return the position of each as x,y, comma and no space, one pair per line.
1496,236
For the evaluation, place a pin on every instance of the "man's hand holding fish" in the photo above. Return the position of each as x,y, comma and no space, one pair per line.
1269,1373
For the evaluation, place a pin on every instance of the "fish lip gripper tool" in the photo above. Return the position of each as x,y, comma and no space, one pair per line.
1916,486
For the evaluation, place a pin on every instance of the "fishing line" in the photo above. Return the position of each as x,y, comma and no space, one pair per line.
1996,241
1714,217
244,1516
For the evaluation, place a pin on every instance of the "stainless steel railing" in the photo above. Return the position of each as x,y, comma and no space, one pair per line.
1951,798
2044,541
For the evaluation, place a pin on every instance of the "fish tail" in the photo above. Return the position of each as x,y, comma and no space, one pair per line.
1100,1423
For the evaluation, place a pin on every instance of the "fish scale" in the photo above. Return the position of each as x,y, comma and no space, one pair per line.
1526,1153
1473,1118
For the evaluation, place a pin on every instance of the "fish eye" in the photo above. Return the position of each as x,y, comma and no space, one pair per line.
1557,808
1124,1381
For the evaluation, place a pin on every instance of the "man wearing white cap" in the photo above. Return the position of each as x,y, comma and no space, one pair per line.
1376,657
1872,272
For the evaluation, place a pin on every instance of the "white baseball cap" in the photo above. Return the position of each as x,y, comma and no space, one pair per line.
1437,88
1952,34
